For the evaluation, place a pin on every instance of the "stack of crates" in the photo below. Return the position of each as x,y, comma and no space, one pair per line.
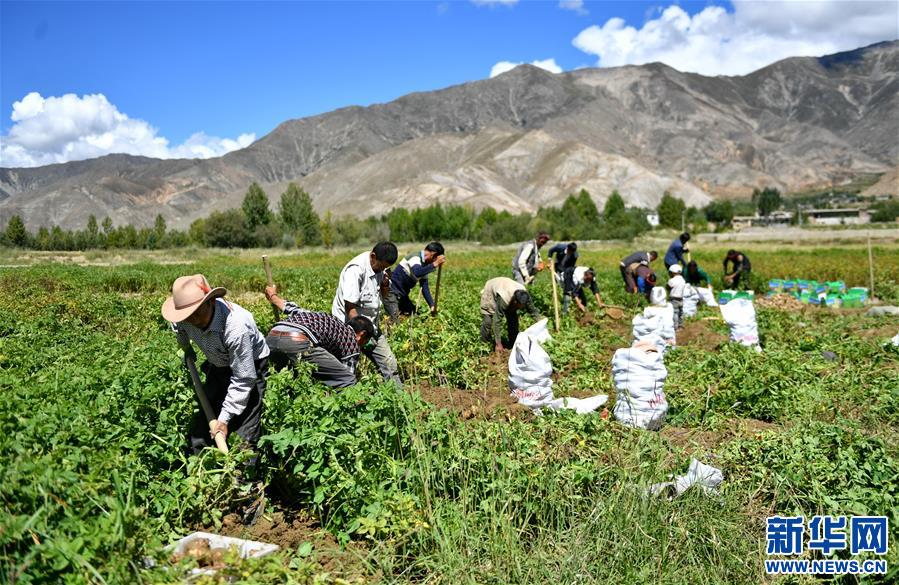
855,297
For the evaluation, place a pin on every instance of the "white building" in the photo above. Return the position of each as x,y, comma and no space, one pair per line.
837,216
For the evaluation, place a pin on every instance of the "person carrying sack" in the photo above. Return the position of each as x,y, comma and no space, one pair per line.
236,365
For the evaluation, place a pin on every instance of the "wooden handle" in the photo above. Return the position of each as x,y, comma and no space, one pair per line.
221,442
270,282
552,276
268,271
437,287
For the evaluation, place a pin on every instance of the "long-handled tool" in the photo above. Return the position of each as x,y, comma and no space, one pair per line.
219,438
437,288
552,276
270,282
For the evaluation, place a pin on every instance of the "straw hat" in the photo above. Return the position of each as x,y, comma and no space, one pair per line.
188,293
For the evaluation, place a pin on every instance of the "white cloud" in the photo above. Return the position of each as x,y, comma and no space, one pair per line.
574,5
504,66
61,129
717,42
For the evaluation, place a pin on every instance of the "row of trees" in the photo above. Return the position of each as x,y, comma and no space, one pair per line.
294,222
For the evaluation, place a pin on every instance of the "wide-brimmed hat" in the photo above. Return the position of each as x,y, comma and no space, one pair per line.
188,293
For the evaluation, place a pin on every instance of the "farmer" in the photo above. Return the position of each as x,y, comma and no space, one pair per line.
236,363
676,286
360,289
573,283
645,280
696,275
676,251
629,265
741,271
502,298
527,263
321,339
565,257
413,269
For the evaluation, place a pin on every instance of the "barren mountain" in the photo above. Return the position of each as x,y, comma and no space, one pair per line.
518,141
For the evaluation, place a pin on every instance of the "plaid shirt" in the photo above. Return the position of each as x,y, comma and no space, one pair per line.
230,341
325,331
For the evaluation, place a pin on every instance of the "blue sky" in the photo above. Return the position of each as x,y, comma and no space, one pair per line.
226,69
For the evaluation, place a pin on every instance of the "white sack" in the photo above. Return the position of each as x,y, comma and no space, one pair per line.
530,374
579,405
739,314
639,374
895,340
530,371
707,296
708,479
691,301
665,329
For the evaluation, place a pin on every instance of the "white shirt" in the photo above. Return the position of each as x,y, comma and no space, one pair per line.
676,285
231,340
360,285
578,276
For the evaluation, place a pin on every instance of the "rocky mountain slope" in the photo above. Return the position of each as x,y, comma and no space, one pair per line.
518,141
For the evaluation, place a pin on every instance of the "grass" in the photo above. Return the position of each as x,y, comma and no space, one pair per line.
93,479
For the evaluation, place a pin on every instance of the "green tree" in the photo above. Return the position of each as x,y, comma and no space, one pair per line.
768,200
721,213
327,230
614,208
16,234
671,211
159,228
299,217
107,225
197,231
227,229
255,207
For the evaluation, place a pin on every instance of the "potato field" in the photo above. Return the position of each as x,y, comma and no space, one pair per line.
447,481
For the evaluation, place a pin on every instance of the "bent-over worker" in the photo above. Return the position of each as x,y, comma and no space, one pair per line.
413,269
629,269
501,299
573,283
236,363
321,339
742,269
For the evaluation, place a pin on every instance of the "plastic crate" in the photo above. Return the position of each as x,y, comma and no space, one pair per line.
836,286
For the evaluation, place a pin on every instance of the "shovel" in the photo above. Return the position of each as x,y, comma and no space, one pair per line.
614,311
219,439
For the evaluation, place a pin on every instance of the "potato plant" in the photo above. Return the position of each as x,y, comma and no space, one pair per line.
94,480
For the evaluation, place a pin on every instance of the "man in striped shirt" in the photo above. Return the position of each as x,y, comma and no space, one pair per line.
236,363
321,339
413,269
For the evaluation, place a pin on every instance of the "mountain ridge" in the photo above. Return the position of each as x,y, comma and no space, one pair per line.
523,139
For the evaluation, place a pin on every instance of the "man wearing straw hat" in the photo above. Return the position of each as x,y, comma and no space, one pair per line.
236,359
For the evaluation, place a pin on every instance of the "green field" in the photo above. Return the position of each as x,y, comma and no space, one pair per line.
447,481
